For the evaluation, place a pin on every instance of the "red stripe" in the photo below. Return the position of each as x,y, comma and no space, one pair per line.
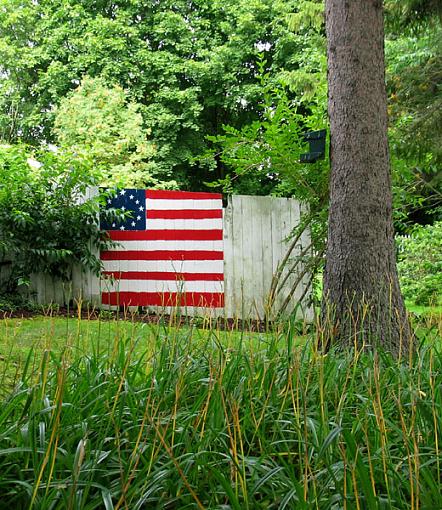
200,299
181,195
166,235
184,214
162,255
163,275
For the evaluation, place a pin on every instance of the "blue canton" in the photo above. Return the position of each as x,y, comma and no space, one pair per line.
128,200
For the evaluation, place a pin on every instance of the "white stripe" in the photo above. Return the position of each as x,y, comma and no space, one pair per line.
171,205
186,224
169,245
173,266
160,286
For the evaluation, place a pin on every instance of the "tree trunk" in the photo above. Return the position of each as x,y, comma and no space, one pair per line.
362,302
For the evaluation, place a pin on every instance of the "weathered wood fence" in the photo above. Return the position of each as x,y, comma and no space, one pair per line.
257,234
256,238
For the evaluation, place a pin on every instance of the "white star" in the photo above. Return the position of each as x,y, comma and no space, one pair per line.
123,192
131,197
141,208
123,208
137,201
109,201
113,224
138,218
122,227
133,223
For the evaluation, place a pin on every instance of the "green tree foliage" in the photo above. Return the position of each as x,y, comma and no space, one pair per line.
270,148
192,68
98,121
46,224
414,76
191,65
265,157
294,100
407,13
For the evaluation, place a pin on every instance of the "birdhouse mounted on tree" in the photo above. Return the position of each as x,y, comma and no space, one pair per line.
316,141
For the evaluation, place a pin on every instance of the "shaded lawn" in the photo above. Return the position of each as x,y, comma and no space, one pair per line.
54,333
435,311
23,342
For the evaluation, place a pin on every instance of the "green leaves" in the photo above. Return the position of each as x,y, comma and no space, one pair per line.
414,73
190,67
98,121
150,416
47,223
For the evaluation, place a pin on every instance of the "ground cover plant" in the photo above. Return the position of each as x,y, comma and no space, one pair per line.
112,414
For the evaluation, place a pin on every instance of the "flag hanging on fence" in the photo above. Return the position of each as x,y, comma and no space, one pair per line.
169,252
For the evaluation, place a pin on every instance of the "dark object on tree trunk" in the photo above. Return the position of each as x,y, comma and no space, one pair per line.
362,302
316,140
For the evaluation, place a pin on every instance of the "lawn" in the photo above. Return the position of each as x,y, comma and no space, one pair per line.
429,311
24,341
119,414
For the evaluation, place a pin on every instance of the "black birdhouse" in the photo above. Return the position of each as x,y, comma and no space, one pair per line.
316,141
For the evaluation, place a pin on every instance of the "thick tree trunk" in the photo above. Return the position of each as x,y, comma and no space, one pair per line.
362,301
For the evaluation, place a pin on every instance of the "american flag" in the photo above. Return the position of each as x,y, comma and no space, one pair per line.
169,252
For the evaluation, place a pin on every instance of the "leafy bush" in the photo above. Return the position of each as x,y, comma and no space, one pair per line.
16,301
46,223
99,121
420,264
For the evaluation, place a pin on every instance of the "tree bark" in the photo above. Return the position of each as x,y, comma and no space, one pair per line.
362,303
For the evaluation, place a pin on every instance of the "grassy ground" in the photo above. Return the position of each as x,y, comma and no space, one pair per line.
23,342
114,414
425,310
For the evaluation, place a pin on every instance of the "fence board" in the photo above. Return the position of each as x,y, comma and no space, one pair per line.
266,252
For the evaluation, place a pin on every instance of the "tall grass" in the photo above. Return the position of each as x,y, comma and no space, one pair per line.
184,418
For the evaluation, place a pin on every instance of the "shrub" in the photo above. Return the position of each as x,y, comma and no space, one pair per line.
100,121
46,223
13,302
420,264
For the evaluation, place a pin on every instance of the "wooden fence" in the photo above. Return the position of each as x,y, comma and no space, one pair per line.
256,239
